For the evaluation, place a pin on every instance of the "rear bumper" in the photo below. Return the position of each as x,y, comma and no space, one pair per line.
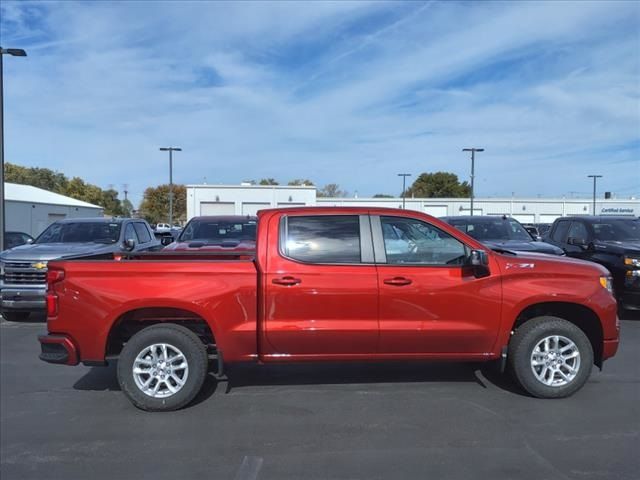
58,349
23,299
610,347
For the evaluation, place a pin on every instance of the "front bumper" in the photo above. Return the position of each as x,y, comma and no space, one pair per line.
23,298
58,349
630,299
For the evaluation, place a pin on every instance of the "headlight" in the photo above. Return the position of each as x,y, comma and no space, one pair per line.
632,261
607,282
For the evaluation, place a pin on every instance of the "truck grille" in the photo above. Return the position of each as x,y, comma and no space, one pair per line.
22,273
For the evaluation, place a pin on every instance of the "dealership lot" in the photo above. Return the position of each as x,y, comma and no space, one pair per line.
317,421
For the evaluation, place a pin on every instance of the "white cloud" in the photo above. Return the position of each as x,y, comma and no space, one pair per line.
346,92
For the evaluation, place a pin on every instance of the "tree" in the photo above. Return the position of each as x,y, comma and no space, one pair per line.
300,181
382,195
127,207
331,190
268,181
57,182
438,185
155,203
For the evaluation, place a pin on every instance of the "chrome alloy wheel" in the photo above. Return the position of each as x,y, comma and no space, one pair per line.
160,370
555,361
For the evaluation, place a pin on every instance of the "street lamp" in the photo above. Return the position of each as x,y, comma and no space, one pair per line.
595,179
14,52
473,158
404,183
170,150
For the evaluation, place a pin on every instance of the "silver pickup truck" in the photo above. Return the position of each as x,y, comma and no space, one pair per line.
23,272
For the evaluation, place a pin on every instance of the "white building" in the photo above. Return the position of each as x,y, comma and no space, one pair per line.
30,210
245,199
248,199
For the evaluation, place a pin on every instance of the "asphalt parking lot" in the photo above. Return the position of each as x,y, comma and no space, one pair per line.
371,421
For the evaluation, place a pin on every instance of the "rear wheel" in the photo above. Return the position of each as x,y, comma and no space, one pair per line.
15,316
162,367
550,357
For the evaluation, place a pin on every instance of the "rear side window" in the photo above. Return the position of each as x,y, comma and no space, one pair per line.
322,239
560,232
142,231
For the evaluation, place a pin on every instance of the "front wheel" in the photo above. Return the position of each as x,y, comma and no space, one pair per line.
162,367
550,357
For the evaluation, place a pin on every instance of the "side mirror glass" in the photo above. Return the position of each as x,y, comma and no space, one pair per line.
578,242
129,244
478,263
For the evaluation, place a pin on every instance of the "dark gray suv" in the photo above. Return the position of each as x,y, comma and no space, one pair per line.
24,268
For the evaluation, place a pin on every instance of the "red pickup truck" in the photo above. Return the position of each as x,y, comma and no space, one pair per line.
331,284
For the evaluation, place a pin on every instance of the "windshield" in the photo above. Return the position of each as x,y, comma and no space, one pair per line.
214,232
617,230
81,232
493,229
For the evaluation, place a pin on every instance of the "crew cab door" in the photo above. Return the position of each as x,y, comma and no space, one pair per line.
320,286
430,303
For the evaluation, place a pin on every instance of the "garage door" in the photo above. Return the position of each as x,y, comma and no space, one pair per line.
548,217
217,208
250,208
525,217
436,210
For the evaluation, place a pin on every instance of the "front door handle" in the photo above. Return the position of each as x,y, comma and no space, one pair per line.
288,281
397,281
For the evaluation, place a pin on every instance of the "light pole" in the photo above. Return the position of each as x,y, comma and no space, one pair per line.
595,179
14,52
404,183
473,158
170,150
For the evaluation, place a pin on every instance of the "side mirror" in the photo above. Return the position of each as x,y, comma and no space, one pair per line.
578,242
166,240
478,263
29,241
538,238
129,244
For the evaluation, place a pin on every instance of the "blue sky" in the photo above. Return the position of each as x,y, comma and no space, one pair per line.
342,92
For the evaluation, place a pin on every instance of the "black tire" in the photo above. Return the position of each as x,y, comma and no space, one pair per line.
178,337
521,348
15,316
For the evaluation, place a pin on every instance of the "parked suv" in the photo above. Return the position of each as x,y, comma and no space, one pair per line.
613,242
24,268
501,232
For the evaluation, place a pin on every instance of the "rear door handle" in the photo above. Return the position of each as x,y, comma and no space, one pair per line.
288,281
397,281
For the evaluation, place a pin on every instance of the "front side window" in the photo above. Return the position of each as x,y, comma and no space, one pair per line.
323,239
129,233
578,231
143,233
81,232
411,241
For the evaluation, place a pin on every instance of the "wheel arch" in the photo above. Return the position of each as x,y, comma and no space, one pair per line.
581,316
134,320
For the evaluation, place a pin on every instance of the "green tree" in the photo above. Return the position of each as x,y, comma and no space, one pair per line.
300,181
438,185
127,206
268,181
155,204
331,190
382,195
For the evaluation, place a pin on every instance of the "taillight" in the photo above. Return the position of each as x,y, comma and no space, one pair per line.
52,304
54,276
